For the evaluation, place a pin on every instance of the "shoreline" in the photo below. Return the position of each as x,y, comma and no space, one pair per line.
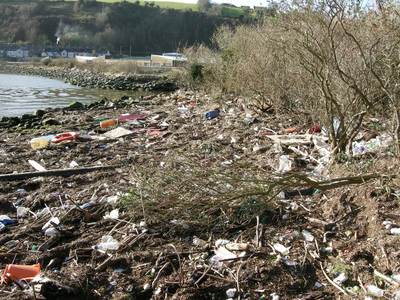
164,180
90,79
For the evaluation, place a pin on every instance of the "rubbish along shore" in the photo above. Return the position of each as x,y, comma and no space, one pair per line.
185,195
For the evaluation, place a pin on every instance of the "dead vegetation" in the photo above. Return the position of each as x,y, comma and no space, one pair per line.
102,66
228,207
333,63
290,190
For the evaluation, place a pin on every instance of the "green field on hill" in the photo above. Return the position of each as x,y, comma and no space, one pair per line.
162,4
227,11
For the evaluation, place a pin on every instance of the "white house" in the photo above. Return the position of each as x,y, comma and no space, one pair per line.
50,53
18,53
68,54
168,60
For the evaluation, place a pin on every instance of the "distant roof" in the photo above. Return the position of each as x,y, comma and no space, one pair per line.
173,54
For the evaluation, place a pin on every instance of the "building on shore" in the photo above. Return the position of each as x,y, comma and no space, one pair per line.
14,51
168,60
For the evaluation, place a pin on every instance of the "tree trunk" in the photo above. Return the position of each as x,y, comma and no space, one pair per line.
397,129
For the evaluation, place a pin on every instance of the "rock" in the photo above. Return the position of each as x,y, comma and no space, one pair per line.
50,122
76,106
45,60
40,113
12,121
27,117
54,290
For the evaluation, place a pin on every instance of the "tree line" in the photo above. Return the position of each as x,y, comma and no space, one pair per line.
128,28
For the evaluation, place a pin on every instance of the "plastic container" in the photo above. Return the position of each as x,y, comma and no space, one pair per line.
108,123
49,224
395,231
285,164
212,114
19,272
51,231
375,291
41,142
341,278
64,137
6,220
308,237
22,211
99,120
107,243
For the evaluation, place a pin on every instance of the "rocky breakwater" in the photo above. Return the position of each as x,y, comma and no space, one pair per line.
91,79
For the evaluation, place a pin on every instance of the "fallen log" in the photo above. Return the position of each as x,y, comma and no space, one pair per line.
51,173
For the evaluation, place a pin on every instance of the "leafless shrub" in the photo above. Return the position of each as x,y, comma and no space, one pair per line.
333,63
106,66
187,191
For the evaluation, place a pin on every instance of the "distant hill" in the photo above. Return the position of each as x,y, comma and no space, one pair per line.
121,27
162,4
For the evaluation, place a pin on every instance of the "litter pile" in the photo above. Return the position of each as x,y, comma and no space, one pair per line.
97,205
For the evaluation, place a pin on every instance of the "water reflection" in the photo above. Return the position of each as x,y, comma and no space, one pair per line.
21,94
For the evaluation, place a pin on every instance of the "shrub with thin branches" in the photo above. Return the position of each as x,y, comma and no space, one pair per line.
333,63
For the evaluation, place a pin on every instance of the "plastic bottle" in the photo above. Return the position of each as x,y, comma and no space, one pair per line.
40,142
108,123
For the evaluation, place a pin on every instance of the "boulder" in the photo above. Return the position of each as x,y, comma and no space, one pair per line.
50,122
76,106
40,113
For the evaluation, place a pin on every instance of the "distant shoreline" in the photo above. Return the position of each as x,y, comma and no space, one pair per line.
92,79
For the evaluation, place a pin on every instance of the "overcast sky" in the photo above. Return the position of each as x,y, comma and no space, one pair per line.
235,2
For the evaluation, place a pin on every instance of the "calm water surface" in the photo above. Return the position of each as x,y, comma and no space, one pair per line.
20,94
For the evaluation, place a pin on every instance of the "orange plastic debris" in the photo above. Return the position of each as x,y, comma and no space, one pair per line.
154,132
63,137
108,123
19,272
291,130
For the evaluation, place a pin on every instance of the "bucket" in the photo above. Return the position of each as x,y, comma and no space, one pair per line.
19,272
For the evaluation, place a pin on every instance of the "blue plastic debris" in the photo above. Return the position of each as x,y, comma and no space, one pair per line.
6,220
212,114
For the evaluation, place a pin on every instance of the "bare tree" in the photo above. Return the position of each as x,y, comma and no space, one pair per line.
204,5
334,64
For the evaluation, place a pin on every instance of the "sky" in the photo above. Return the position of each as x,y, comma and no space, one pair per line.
234,2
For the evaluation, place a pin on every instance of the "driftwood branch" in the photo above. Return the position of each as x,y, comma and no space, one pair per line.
51,173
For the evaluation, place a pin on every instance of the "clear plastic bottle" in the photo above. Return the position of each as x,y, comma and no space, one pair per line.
40,142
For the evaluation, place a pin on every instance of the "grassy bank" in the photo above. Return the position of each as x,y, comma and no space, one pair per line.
163,4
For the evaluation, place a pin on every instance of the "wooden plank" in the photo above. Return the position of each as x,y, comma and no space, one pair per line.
53,173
